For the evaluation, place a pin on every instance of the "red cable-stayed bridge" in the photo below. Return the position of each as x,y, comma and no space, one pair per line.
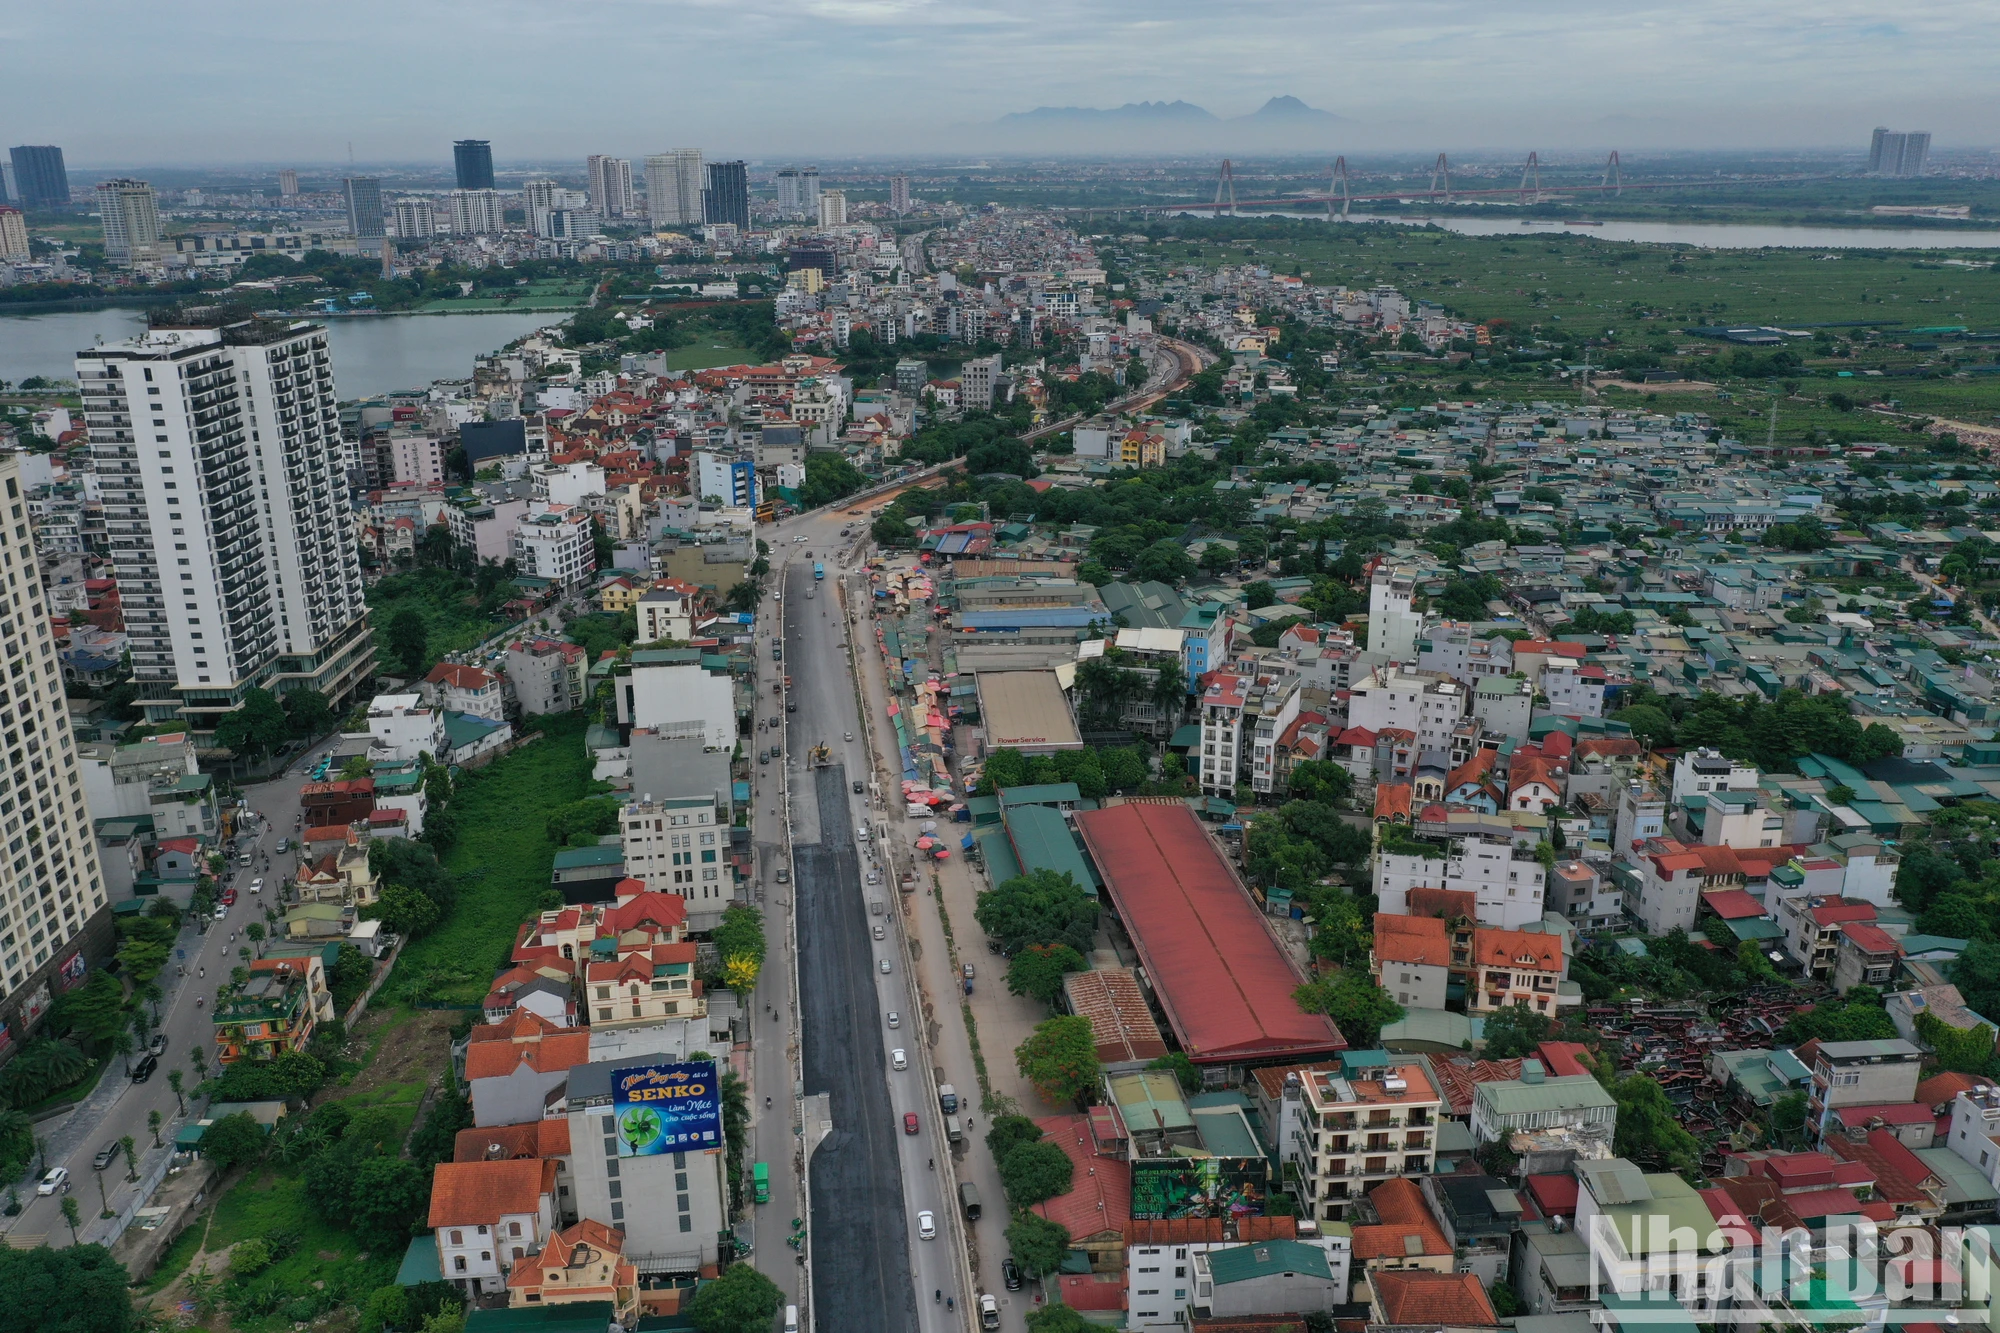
1340,193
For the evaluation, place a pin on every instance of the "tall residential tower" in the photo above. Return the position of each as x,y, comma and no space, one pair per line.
225,503
40,179
473,161
673,188
131,220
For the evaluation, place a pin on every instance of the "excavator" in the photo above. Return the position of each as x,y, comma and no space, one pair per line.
819,756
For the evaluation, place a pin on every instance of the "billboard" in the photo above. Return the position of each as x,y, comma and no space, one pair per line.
1173,1187
667,1108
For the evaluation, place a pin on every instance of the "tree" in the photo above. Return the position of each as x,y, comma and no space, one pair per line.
1032,1172
1650,726
1323,781
1968,1051
1056,1317
254,728
153,1122
233,1140
1060,1059
1788,1117
1515,1031
131,1151
174,1080
76,1290
72,1214
1007,1131
742,1300
249,1257
408,637
405,911
1182,1068
1045,907
1038,970
1649,1127
1358,1007
310,712
1258,595
94,1011
1037,1244
386,1197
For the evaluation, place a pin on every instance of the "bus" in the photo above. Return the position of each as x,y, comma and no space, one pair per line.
819,569
760,1178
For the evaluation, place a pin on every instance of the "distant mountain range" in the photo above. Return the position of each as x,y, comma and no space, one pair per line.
1282,122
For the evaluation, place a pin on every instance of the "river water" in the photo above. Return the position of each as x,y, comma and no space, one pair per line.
372,354
1713,236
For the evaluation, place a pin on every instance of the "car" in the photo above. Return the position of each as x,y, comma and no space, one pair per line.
284,845
1010,1274
144,1069
850,735
784,876
763,756
800,540
158,1045
885,967
989,1310
256,886
909,1126
968,971
898,1059
105,1156
56,1179
879,932
895,1019
857,786
861,832
229,897
791,707
221,911
926,1225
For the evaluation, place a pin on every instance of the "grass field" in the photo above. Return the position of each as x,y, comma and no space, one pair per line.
704,356
1594,284
502,862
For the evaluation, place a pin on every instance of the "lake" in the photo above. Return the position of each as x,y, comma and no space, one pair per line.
372,354
1713,236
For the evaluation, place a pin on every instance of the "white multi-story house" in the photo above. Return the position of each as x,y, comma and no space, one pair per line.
666,611
1574,689
458,688
217,450
416,458
1221,733
1161,1257
1424,703
681,845
404,727
51,882
490,1215
1344,1135
1392,623
1487,857
555,542
1697,772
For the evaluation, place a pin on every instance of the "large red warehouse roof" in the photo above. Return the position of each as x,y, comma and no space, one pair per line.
1224,982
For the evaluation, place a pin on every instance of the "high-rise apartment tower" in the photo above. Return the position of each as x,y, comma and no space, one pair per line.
40,179
131,219
673,188
473,161
610,186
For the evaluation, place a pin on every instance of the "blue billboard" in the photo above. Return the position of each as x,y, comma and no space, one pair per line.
667,1108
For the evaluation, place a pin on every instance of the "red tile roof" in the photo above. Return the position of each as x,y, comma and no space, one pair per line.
1100,1194
1508,948
536,1138
1411,939
1554,1195
1392,800
1415,1296
1445,903
472,1194
1733,904
1400,1205
1219,974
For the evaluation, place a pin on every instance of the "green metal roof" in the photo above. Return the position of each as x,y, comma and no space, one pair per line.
1565,1092
420,1263
1001,863
1245,1263
579,858
1042,841
1045,793
1963,1182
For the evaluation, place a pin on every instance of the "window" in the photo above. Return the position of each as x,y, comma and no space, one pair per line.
458,1263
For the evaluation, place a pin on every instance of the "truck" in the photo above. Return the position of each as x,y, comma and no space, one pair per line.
875,909
989,1310
953,1132
968,1198
760,1179
819,569
948,1098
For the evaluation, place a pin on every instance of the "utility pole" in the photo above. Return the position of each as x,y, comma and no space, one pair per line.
1771,428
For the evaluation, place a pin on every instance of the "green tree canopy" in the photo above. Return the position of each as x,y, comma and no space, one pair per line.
742,1300
1038,970
80,1289
1032,1172
1357,1006
407,637
1037,1244
254,728
1009,1130
233,1140
1515,1031
1060,1059
1044,907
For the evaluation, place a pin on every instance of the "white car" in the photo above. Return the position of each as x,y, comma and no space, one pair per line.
885,967
221,911
256,886
58,1179
861,832
799,540
926,1225
898,1060
895,1019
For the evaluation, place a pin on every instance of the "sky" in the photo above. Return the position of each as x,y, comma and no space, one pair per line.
125,83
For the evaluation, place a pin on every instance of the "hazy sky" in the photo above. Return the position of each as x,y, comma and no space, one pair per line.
130,82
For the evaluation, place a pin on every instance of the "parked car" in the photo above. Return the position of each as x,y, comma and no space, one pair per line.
909,1126
879,932
849,735
221,911
763,756
857,786
784,876
144,1069
1010,1274
229,897
885,967
158,1045
898,1059
105,1156
56,1179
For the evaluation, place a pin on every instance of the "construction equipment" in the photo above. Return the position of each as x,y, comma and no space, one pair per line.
820,755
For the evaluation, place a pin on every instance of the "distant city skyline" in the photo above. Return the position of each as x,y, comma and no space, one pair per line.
1445,73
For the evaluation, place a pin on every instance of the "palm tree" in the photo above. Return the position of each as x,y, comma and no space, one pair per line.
198,1057
153,1123
174,1077
131,1151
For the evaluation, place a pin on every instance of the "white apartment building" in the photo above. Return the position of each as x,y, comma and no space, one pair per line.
1344,1136
833,208
131,218
416,458
555,542
413,219
681,845
1574,689
610,186
1488,859
51,885
1221,733
1450,647
477,213
1279,707
978,379
225,499
1159,1276
677,699
1428,705
1704,770
568,483
1392,624
666,611
13,234
732,481
674,181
